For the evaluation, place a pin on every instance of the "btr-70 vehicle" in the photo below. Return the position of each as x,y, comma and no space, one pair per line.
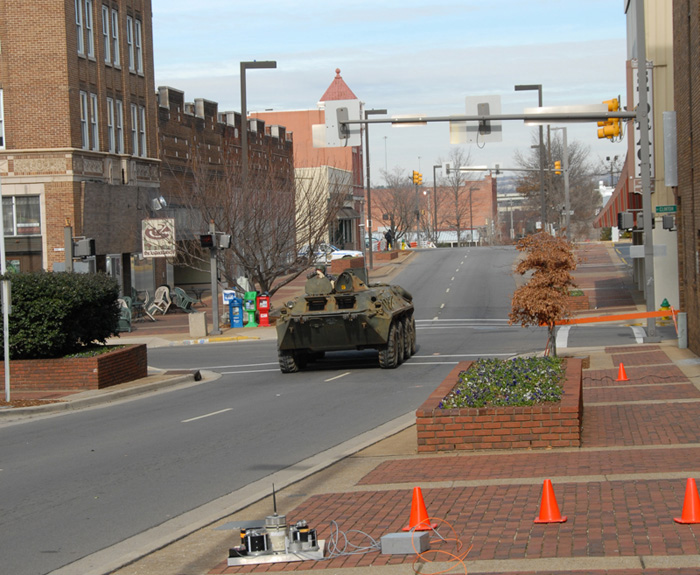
349,315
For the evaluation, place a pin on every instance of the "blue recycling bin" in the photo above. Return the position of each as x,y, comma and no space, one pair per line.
235,312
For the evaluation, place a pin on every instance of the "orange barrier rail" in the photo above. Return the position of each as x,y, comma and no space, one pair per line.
620,317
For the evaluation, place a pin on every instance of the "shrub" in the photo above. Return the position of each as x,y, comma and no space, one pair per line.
54,314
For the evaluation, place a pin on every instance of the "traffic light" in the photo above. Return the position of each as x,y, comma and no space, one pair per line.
557,168
207,240
610,128
417,178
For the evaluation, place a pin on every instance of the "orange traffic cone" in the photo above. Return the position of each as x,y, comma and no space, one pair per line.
621,374
691,505
419,514
549,510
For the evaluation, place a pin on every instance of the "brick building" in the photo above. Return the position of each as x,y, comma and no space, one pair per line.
686,58
346,231
77,144
474,210
196,134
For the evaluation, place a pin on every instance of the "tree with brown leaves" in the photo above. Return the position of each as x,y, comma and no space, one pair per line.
544,298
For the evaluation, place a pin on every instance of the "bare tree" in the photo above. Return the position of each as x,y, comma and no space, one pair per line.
584,197
458,201
397,202
276,221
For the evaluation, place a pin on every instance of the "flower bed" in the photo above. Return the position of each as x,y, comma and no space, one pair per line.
126,363
536,426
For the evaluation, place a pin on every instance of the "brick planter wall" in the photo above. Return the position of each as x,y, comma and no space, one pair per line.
556,425
79,373
339,266
579,303
385,256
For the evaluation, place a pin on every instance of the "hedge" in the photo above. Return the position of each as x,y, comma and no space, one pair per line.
58,313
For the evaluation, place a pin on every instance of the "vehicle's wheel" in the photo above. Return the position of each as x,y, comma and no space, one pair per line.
288,363
408,337
400,343
387,355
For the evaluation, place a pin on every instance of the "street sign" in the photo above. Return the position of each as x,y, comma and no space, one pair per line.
666,209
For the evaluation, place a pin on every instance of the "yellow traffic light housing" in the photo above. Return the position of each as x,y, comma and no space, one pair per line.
417,178
557,168
420,179
610,128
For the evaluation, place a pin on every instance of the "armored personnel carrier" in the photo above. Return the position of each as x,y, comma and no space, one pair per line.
345,316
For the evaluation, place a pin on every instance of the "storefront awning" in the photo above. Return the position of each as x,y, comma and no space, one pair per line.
348,214
623,199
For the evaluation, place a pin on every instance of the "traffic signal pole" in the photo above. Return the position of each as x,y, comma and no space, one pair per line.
644,145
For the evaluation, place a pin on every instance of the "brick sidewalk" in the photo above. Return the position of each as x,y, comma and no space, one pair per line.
620,491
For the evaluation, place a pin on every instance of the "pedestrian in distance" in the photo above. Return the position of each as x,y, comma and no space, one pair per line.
389,237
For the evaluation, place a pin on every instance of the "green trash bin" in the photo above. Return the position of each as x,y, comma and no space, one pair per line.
249,308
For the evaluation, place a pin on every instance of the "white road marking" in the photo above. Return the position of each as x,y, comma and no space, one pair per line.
563,336
442,306
207,415
338,376
639,333
447,290
240,365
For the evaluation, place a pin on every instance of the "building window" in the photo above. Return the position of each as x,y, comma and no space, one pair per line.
106,37
89,28
138,44
84,120
115,37
94,116
2,124
130,42
142,131
134,130
21,215
119,134
79,26
110,126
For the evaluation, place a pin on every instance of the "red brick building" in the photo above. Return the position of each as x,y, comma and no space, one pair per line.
473,210
686,59
196,133
346,233
77,128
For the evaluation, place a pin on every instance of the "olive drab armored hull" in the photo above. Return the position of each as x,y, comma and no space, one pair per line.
345,316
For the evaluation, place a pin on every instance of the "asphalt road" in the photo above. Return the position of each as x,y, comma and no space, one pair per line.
83,481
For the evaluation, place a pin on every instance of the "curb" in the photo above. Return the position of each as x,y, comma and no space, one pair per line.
103,396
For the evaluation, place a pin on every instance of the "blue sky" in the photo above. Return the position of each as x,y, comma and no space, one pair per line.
407,56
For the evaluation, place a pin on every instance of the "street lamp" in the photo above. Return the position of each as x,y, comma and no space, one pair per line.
538,88
435,230
369,187
244,115
565,164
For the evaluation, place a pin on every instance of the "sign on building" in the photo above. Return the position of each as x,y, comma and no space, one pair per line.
158,238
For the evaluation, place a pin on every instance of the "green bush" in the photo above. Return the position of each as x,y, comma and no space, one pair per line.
55,314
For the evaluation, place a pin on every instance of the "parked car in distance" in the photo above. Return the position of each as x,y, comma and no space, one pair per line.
328,252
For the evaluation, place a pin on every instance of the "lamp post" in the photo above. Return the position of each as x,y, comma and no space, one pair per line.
435,230
538,88
244,115
565,167
369,187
